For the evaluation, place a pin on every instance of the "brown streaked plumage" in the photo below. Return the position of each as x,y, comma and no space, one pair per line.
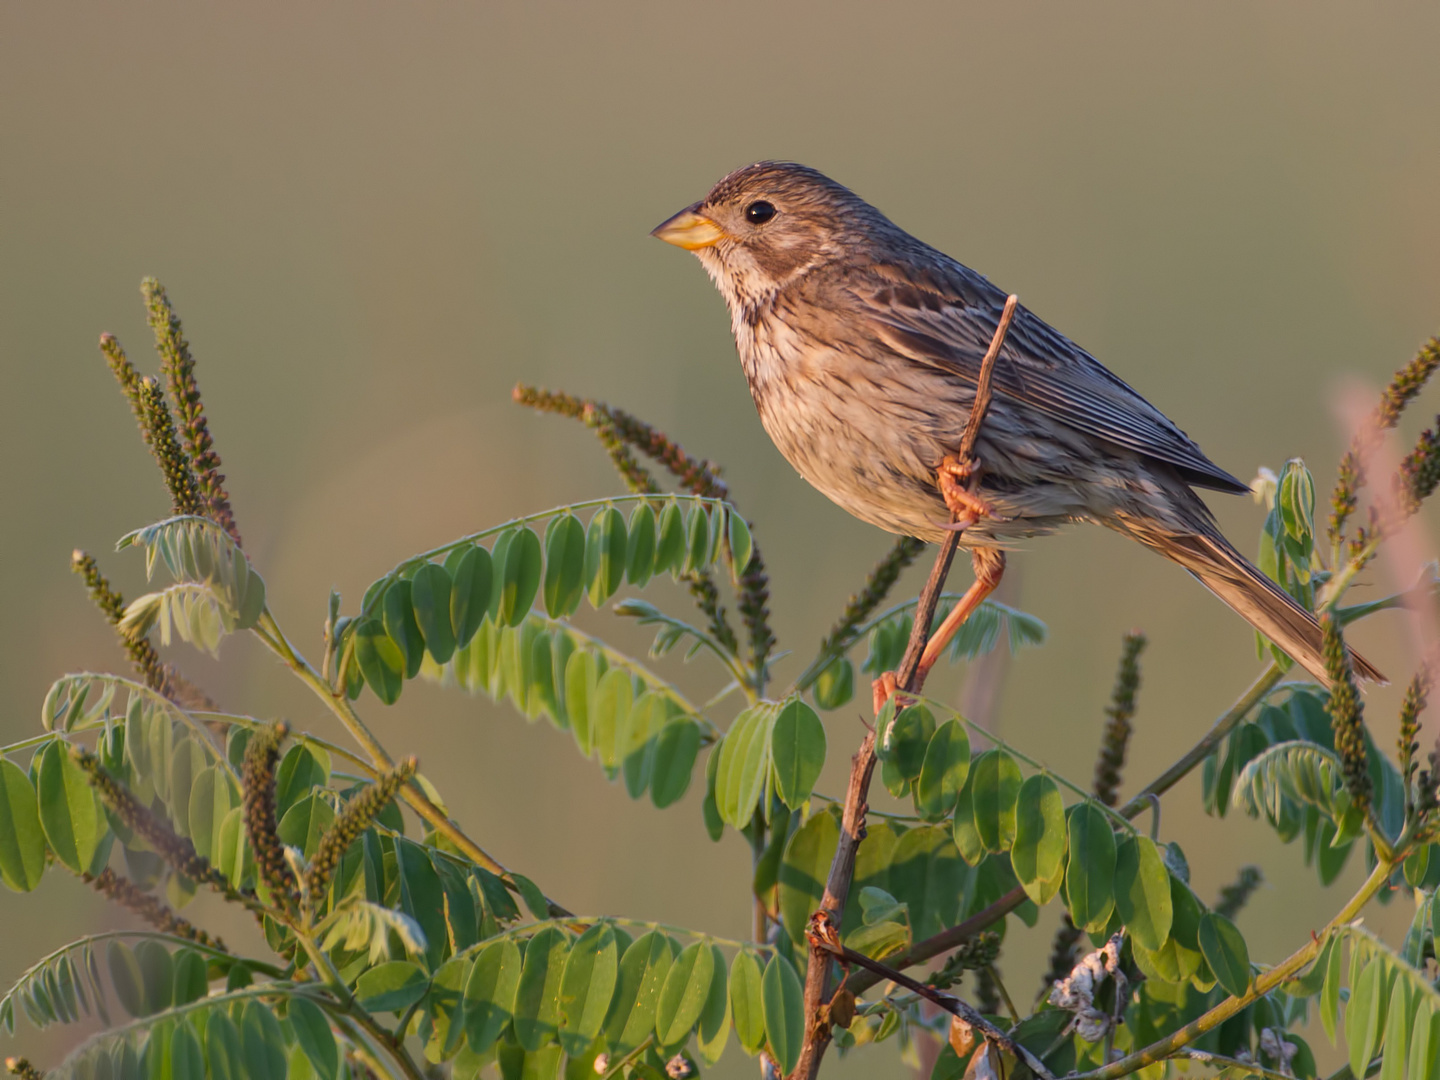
862,347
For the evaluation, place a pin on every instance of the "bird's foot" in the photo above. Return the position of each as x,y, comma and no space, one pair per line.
884,688
955,478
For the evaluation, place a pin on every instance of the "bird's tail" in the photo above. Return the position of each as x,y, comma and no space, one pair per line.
1252,596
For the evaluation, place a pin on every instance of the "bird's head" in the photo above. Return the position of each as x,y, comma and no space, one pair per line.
767,224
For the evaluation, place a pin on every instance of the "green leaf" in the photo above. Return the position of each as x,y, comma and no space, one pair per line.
401,626
905,740
520,577
537,1002
1090,868
643,970
392,986
1330,991
202,820
312,1032
797,747
835,685
1142,891
303,769
490,994
964,833
1425,1040
443,1009
473,579
605,549
588,985
1039,852
582,676
675,751
1400,1016
670,550
157,972
927,875
223,1052
1185,928
709,808
684,993
714,1029
564,565
381,661
22,840
697,539
1365,1011
261,1040
995,790
610,715
742,545
784,1012
186,1058
422,897
880,940
430,597
641,732
1224,950
640,561
71,815
943,772
305,823
803,870
126,978
747,1006
191,981
744,763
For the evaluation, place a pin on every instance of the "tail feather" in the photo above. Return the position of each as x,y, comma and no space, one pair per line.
1255,598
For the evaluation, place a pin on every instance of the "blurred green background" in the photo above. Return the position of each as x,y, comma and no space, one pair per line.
375,219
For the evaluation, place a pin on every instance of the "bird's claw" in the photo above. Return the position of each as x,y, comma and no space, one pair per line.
955,478
884,688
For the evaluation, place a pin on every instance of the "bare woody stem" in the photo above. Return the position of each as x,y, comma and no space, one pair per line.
862,766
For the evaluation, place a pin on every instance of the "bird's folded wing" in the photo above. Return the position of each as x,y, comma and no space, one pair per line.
947,321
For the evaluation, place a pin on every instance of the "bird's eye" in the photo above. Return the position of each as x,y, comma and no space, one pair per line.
759,212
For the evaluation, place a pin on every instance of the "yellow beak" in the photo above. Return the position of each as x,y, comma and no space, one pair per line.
689,230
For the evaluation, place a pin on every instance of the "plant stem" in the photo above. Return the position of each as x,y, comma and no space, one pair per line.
1263,984
1202,749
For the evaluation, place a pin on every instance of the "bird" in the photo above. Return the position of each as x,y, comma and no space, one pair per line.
862,347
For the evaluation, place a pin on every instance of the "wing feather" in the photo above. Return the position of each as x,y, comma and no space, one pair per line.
945,316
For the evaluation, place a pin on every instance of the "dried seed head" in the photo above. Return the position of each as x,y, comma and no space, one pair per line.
1407,383
130,896
176,850
1121,712
1346,715
258,782
1417,695
178,367
1236,895
174,465
353,820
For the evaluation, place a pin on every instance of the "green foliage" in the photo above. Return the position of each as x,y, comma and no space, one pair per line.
394,938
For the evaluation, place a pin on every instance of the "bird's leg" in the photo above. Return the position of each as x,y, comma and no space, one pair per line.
955,477
958,478
989,564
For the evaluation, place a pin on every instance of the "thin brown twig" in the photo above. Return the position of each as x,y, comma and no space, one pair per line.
862,766
951,1004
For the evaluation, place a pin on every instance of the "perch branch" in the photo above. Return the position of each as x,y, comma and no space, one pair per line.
910,678
824,937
